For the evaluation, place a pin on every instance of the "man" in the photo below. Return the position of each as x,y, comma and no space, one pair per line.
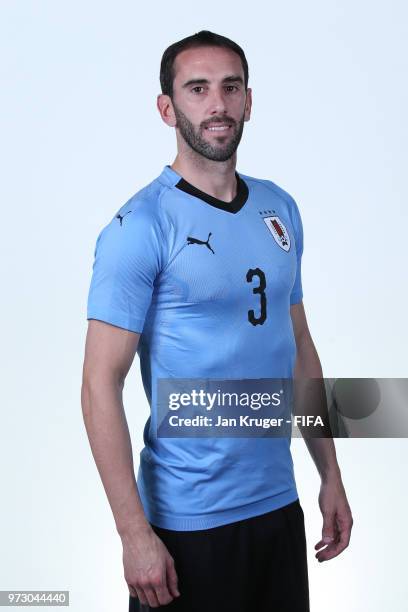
200,273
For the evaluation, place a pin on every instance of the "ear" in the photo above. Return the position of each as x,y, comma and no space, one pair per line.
166,110
248,105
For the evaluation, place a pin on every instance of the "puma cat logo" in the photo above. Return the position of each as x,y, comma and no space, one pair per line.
120,217
191,240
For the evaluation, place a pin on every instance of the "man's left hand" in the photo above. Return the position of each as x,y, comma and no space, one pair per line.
337,519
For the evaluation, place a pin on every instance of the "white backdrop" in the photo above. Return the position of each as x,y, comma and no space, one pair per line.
79,135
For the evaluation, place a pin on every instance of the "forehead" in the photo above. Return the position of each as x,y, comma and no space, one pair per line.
210,62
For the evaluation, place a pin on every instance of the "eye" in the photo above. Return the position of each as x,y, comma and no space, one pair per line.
197,87
231,87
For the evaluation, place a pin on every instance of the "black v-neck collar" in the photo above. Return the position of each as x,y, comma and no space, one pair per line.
233,207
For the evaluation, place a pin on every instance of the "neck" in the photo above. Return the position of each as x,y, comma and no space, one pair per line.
215,178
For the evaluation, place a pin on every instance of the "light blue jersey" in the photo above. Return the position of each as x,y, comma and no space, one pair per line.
209,285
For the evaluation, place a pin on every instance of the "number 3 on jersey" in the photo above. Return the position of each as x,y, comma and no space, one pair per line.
261,290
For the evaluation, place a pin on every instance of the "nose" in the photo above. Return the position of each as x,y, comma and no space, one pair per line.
217,102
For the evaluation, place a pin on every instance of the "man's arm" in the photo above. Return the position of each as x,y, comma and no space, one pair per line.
337,518
109,353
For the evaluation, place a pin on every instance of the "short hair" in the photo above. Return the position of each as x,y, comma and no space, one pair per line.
204,38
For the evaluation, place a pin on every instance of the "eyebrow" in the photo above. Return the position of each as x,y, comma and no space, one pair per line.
234,78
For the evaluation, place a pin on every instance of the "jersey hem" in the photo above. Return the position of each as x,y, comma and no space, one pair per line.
117,319
225,517
296,298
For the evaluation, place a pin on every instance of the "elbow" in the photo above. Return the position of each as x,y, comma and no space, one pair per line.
95,384
84,397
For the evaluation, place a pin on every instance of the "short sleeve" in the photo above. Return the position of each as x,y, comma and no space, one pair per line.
297,291
128,257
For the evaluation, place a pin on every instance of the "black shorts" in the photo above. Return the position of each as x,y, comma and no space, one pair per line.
257,564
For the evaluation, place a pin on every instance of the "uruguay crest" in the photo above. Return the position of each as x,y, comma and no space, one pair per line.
278,231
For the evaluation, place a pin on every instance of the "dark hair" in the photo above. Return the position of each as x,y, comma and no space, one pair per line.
204,38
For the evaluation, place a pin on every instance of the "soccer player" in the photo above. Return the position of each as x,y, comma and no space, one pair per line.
199,273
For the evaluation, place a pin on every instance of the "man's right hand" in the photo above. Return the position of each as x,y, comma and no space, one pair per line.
149,568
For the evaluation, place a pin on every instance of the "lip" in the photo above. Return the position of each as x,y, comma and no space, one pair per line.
225,126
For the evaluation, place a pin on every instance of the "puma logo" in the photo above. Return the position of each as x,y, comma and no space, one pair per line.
120,217
191,240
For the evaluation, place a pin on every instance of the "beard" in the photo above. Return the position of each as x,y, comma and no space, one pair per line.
194,138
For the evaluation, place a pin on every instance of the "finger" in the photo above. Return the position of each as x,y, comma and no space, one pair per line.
327,540
323,554
321,543
141,595
172,579
345,524
162,592
329,527
329,531
163,595
151,597
334,549
331,551
342,540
